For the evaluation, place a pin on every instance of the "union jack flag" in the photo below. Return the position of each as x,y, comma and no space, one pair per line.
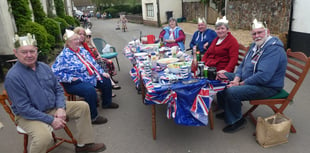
201,105
134,73
172,106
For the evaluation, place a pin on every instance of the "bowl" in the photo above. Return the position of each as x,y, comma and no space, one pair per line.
166,61
176,67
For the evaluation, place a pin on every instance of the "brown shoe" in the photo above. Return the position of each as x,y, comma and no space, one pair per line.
99,120
92,147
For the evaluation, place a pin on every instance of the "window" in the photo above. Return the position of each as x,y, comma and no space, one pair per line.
149,10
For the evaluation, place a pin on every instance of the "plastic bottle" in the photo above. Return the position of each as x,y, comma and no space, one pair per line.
153,60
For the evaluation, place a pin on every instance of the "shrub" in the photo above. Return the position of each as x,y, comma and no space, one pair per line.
40,34
63,24
51,40
38,11
112,11
137,9
21,12
60,8
52,28
70,20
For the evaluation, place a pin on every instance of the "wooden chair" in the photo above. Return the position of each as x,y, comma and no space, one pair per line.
297,69
6,103
99,45
242,53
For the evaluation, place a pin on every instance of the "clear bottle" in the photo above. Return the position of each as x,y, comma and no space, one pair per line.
153,60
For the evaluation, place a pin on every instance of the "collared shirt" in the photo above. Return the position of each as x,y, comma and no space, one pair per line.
68,66
33,92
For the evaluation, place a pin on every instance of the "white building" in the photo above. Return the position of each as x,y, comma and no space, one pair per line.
156,12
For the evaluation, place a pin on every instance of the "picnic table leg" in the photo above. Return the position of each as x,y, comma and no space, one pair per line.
211,122
154,121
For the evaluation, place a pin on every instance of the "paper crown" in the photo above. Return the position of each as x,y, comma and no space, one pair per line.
88,32
223,20
256,24
68,34
201,20
24,40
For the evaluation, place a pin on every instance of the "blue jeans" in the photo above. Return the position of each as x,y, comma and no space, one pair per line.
230,98
88,92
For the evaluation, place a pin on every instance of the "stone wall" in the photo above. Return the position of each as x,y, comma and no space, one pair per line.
193,10
276,13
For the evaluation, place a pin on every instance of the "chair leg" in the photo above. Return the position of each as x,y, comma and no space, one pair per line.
25,143
117,63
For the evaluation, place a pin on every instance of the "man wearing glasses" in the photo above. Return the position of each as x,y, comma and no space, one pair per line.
260,75
39,104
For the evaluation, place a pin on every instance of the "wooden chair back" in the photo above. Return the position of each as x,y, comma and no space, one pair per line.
242,53
6,103
297,69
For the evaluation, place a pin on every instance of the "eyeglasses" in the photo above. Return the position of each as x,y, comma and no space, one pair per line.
258,33
88,36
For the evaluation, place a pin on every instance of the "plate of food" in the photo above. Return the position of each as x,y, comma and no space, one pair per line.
175,67
166,61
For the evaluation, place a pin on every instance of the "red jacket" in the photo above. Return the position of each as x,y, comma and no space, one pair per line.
223,56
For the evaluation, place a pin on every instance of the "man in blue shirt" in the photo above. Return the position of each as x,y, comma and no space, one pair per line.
39,104
203,37
260,75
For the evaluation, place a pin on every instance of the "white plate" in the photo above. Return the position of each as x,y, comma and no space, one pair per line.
141,54
166,61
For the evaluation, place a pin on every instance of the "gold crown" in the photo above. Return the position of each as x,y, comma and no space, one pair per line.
88,32
24,40
257,24
68,34
223,20
201,20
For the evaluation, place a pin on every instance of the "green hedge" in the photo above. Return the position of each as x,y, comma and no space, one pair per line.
70,20
52,28
63,24
40,33
112,11
21,12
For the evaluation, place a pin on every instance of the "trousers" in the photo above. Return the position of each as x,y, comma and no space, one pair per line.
230,99
41,133
88,92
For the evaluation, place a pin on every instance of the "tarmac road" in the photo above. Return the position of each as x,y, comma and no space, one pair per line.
129,129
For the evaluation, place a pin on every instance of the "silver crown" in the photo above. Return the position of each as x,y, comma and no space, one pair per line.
223,20
68,34
201,20
257,24
88,32
24,40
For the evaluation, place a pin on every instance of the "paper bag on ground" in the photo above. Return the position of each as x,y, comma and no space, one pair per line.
273,130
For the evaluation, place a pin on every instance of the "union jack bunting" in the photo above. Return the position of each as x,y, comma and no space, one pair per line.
134,74
172,106
159,97
201,105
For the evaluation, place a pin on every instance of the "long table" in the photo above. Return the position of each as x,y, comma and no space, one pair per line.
187,103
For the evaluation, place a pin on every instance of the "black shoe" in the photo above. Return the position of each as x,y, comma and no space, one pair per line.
99,120
236,126
111,106
220,116
93,147
116,87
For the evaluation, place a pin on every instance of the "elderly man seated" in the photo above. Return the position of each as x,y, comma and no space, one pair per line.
38,101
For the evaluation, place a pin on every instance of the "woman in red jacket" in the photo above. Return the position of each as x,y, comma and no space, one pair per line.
223,51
